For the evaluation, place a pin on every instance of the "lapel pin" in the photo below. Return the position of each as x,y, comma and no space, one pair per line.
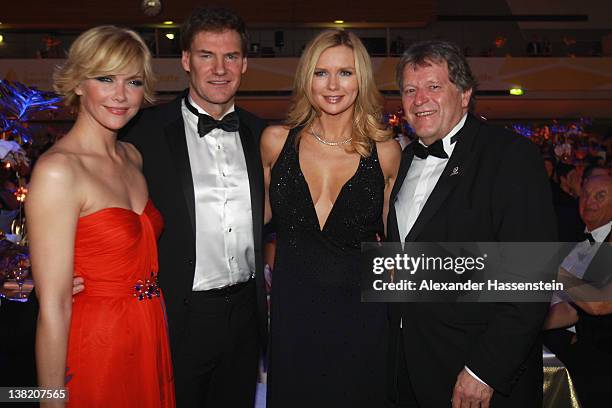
455,171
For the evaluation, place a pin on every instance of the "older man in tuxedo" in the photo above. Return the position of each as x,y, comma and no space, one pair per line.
586,350
463,181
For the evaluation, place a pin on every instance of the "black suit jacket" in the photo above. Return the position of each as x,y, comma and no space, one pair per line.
591,329
493,189
159,135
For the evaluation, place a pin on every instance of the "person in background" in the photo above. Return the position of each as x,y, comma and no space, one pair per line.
569,224
586,349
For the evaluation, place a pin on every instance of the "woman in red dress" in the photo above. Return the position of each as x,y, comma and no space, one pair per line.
89,215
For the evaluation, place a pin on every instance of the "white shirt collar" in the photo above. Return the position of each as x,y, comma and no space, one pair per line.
230,110
600,233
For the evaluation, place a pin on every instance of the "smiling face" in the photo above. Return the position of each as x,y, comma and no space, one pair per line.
111,100
334,83
215,64
596,201
432,104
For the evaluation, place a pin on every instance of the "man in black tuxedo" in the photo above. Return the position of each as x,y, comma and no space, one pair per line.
587,353
464,181
203,169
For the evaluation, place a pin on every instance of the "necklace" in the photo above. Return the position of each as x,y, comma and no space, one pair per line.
327,142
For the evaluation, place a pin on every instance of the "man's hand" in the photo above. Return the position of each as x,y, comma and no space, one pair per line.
78,285
470,393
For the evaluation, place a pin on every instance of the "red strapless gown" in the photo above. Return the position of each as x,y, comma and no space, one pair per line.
118,353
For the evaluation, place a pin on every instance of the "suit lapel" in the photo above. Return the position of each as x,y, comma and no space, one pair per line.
451,176
392,229
254,169
175,137
407,156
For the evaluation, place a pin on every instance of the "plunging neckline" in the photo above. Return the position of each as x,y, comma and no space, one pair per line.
309,193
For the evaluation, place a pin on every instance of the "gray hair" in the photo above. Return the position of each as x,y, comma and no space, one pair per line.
425,52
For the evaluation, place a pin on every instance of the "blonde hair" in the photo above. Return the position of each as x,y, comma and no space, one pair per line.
99,51
368,127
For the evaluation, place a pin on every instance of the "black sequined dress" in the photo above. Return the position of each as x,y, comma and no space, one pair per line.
327,349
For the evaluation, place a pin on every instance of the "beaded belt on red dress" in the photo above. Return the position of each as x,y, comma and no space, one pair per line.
148,289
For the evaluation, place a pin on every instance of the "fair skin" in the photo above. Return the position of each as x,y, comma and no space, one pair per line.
561,314
595,203
85,171
433,106
215,65
327,168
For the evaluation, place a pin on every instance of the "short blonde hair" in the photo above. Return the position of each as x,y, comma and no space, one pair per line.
368,127
103,50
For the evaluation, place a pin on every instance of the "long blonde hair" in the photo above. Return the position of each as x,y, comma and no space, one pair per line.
367,124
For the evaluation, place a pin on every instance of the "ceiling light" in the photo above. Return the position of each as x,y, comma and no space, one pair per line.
151,7
516,91
170,36
169,22
338,21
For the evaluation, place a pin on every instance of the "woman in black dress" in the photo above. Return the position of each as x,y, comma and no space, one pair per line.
328,176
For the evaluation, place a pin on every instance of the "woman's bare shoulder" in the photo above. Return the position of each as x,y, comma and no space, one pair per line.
389,151
272,141
132,153
55,181
57,164
389,156
276,134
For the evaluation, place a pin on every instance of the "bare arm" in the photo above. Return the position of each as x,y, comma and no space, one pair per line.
578,290
53,209
272,142
561,314
389,155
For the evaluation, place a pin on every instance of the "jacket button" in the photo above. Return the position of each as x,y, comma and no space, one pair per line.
186,301
190,262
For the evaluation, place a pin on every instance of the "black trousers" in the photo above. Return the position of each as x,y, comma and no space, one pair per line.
400,392
217,359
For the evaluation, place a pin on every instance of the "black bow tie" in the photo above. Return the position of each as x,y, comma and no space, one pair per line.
587,235
435,149
207,123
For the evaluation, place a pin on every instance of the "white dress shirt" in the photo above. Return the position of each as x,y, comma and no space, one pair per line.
579,259
224,224
420,181
600,233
